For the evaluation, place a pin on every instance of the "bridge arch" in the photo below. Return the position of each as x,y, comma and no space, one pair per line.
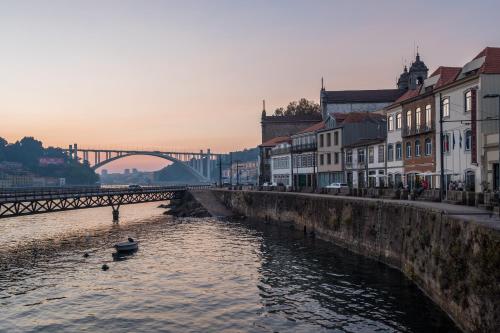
189,169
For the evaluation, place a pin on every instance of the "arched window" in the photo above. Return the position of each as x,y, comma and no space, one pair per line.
391,123
428,116
468,101
468,139
446,107
399,153
428,147
408,119
417,148
398,121
417,119
408,150
390,152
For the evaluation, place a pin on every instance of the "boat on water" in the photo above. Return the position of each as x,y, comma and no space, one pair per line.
129,246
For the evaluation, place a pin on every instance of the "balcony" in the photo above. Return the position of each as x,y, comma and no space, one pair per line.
280,151
424,128
304,147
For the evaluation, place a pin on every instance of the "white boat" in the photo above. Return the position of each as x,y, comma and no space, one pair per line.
129,246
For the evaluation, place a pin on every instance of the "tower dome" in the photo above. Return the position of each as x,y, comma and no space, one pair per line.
418,72
403,79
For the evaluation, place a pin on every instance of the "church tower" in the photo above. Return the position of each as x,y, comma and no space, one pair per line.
403,80
418,73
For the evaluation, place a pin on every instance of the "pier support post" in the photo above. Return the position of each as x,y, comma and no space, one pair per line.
116,214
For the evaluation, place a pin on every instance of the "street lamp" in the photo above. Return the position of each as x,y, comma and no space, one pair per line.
498,116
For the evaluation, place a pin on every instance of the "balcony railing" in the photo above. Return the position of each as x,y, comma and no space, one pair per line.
280,151
418,129
304,147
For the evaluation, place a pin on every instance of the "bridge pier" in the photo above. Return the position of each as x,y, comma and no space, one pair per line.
116,214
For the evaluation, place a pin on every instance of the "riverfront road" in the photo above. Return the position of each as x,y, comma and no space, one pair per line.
468,213
17,202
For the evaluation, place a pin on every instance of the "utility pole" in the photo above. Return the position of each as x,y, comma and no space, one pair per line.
231,168
220,170
441,153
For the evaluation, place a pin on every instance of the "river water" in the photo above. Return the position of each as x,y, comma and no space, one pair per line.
194,275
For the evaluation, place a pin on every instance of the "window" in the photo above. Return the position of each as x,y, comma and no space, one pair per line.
417,119
468,101
348,157
446,142
321,159
336,138
428,146
468,140
391,123
408,150
328,139
408,119
361,156
381,153
399,152
398,121
428,116
328,158
337,158
417,148
371,155
446,107
390,152
321,138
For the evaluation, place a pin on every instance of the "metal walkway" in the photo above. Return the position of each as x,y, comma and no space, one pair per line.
18,202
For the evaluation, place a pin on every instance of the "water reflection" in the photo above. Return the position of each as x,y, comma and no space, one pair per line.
204,275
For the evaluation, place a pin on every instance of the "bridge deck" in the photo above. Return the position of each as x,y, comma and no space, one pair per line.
17,202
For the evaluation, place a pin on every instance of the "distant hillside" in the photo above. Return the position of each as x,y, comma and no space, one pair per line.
245,155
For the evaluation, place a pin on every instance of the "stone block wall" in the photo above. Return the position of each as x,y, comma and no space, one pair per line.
455,262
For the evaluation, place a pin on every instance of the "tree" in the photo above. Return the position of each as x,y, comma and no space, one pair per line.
299,108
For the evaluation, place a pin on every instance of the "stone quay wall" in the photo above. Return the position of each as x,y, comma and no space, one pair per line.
453,259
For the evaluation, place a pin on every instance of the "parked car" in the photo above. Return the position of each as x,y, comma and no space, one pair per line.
135,187
337,185
269,184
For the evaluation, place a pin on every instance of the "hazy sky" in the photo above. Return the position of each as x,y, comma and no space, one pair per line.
192,74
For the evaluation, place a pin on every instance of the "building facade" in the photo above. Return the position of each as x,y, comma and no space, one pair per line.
304,157
330,161
394,146
281,164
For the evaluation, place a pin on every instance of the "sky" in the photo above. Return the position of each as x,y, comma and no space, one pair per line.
192,75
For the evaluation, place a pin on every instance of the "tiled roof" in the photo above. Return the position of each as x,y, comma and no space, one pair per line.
339,116
446,75
313,128
274,141
491,63
356,117
363,96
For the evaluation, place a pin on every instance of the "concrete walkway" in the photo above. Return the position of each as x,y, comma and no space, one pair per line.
207,199
468,213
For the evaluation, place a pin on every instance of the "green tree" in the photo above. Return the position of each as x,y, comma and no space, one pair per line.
299,108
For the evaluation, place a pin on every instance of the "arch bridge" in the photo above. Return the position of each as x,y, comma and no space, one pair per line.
198,164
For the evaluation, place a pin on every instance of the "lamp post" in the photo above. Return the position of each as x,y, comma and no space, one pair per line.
498,116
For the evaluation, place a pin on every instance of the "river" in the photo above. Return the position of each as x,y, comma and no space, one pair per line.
195,275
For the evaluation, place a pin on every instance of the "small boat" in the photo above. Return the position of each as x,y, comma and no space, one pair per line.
129,246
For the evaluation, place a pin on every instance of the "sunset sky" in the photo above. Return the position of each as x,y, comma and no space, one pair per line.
192,74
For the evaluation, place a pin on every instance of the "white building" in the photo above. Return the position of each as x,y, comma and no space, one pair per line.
365,163
281,171
394,155
470,141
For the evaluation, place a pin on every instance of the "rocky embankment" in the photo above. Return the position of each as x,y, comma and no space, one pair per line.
186,206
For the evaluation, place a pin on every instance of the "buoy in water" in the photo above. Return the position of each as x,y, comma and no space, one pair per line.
85,255
105,267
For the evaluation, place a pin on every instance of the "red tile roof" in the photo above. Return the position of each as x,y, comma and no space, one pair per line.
274,141
492,62
339,116
313,128
409,94
447,75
